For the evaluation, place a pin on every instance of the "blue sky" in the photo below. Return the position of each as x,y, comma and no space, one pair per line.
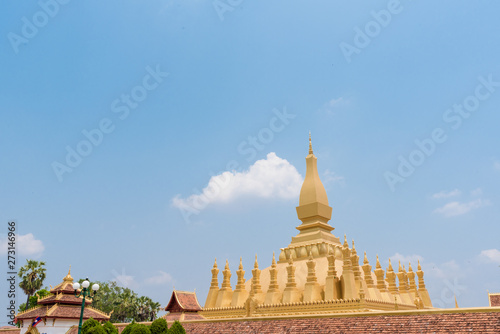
401,98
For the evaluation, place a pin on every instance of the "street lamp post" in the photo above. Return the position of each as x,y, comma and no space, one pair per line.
84,292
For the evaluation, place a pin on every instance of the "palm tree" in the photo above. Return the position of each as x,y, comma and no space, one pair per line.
32,275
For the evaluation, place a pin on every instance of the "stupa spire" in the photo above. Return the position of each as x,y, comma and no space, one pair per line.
310,144
312,190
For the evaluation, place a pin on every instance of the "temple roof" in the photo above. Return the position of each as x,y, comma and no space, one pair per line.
62,311
62,303
184,300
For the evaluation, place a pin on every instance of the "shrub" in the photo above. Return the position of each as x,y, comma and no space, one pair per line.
129,328
97,330
176,328
110,328
88,324
140,329
159,326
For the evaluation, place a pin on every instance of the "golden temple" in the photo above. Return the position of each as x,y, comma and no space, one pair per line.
315,273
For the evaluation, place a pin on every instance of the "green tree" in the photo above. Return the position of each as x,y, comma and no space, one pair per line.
89,324
159,326
126,305
32,275
97,330
110,328
176,328
140,329
128,328
33,301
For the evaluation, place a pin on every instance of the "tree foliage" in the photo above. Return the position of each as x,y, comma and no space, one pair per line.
176,328
89,324
126,304
159,326
33,300
128,328
140,329
32,275
97,330
110,328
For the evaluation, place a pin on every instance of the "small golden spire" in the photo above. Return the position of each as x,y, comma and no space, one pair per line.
409,267
310,144
345,241
274,260
215,263
68,277
365,261
456,303
419,267
227,265
256,264
241,264
378,263
400,268
390,266
353,248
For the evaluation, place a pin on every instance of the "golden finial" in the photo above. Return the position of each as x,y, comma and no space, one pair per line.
215,263
256,264
241,264
400,268
404,269
274,260
390,266
68,276
310,144
345,241
419,267
456,303
378,263
365,261
353,248
227,265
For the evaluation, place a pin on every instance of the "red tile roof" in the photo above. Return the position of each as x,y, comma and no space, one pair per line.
457,322
62,311
494,299
63,299
183,301
10,330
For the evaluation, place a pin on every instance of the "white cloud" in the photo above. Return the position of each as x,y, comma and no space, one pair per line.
405,259
497,165
333,104
331,177
446,194
26,245
453,209
124,280
272,177
476,192
492,255
159,279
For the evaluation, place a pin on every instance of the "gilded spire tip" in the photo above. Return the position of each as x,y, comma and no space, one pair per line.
310,144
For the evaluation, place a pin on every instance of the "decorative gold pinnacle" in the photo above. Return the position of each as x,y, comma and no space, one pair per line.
310,144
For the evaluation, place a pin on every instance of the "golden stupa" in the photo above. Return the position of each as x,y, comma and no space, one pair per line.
316,273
